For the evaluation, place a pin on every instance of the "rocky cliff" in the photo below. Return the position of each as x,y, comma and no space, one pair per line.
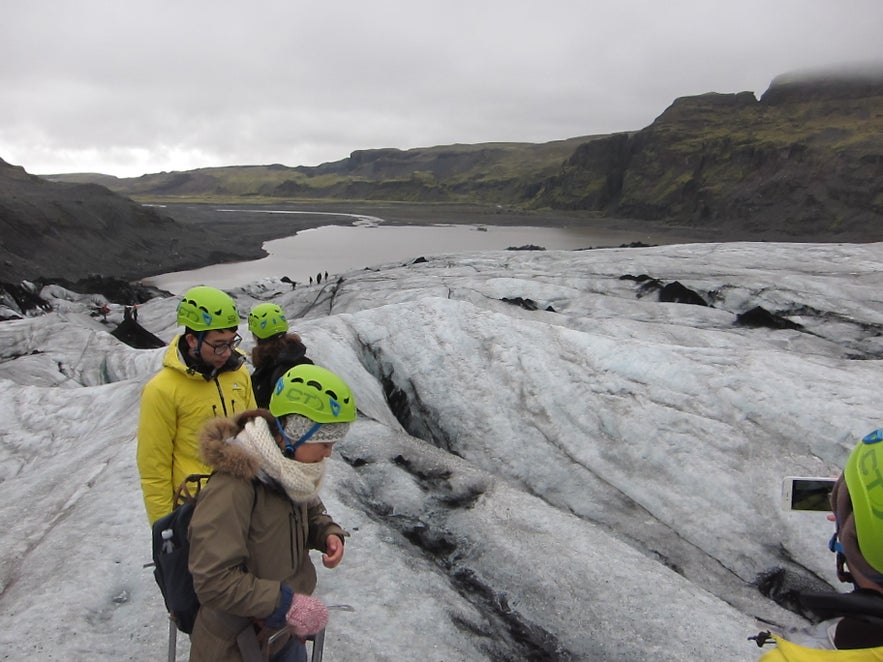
805,159
70,231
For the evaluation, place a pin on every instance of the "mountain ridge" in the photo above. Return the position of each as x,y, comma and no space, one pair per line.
805,159
804,162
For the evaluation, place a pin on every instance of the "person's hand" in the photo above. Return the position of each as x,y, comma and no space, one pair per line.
307,615
276,620
334,546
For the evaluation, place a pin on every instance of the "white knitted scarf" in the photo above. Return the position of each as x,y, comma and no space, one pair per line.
300,480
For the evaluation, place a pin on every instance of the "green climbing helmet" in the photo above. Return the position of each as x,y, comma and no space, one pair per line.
864,480
314,392
267,320
205,308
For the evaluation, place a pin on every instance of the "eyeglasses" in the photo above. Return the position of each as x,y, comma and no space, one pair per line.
222,347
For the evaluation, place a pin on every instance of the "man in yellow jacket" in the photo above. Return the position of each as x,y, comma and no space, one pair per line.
203,376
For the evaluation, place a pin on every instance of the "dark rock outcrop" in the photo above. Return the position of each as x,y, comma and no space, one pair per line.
673,292
761,317
676,292
58,231
17,300
135,335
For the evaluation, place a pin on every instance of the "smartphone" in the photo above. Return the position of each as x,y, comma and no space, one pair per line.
807,493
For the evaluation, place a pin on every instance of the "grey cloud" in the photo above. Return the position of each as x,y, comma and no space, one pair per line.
129,89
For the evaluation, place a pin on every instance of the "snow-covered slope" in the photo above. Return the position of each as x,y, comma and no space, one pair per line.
580,472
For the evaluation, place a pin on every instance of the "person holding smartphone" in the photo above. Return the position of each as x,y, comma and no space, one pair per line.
807,493
857,506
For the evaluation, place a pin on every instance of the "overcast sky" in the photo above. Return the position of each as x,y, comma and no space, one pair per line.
128,88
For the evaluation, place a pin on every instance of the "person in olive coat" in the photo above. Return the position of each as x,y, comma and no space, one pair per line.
258,517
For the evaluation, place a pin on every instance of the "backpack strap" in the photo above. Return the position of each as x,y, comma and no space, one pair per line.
863,603
189,488
840,559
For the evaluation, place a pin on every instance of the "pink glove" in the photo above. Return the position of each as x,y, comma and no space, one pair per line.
307,615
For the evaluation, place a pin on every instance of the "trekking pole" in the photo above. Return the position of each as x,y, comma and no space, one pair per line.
319,637
167,548
173,640
318,646
340,608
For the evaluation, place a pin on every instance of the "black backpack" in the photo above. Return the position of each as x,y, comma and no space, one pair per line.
171,549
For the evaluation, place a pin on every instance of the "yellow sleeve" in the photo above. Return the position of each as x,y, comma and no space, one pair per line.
787,651
251,402
156,438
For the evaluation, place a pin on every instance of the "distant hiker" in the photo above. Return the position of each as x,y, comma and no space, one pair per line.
135,312
259,516
105,309
275,350
326,276
850,621
203,376
318,278
311,280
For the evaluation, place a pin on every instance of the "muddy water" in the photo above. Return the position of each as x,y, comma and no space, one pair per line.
338,249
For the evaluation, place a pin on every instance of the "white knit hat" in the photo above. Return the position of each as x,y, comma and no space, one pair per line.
296,426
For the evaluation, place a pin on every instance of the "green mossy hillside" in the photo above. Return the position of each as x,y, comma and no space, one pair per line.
804,159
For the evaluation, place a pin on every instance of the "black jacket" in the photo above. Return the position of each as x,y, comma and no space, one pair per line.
267,373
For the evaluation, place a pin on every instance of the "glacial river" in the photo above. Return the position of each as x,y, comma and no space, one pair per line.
338,249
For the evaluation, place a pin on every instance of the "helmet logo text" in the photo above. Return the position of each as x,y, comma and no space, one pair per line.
867,465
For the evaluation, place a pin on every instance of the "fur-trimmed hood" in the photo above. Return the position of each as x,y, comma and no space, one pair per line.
246,537
219,450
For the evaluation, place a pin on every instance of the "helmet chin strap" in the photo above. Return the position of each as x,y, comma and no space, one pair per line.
200,336
292,446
